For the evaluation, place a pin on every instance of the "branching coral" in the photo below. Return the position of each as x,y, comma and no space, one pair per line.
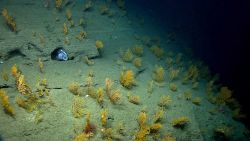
138,50
22,86
142,118
164,101
58,4
180,121
157,51
77,107
99,94
65,29
137,62
9,20
154,128
41,65
158,115
99,44
5,103
115,96
69,14
134,99
108,84
104,117
104,9
42,88
159,74
224,95
127,56
74,88
173,87
127,79
82,35
14,71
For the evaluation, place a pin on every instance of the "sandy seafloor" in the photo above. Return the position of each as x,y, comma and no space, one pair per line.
118,33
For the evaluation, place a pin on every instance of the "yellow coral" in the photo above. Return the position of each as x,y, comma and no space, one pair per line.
155,127
99,44
138,50
173,74
164,101
40,65
158,115
82,35
58,4
82,137
127,79
142,118
159,74
69,14
22,86
104,117
173,87
104,9
65,29
14,71
108,84
197,101
99,95
127,56
115,96
9,20
137,62
157,51
224,95
5,103
180,121
134,99
74,88
141,133
77,107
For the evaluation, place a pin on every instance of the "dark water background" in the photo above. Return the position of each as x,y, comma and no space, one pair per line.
219,32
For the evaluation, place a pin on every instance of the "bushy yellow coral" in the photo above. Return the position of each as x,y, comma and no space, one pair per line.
157,51
164,100
104,117
99,94
138,50
159,74
134,99
14,71
115,96
58,4
104,9
9,20
5,103
155,127
74,88
77,107
180,121
69,14
22,86
224,95
142,118
127,79
127,56
99,44
137,62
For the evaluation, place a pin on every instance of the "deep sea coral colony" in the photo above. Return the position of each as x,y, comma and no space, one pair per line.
149,125
9,20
